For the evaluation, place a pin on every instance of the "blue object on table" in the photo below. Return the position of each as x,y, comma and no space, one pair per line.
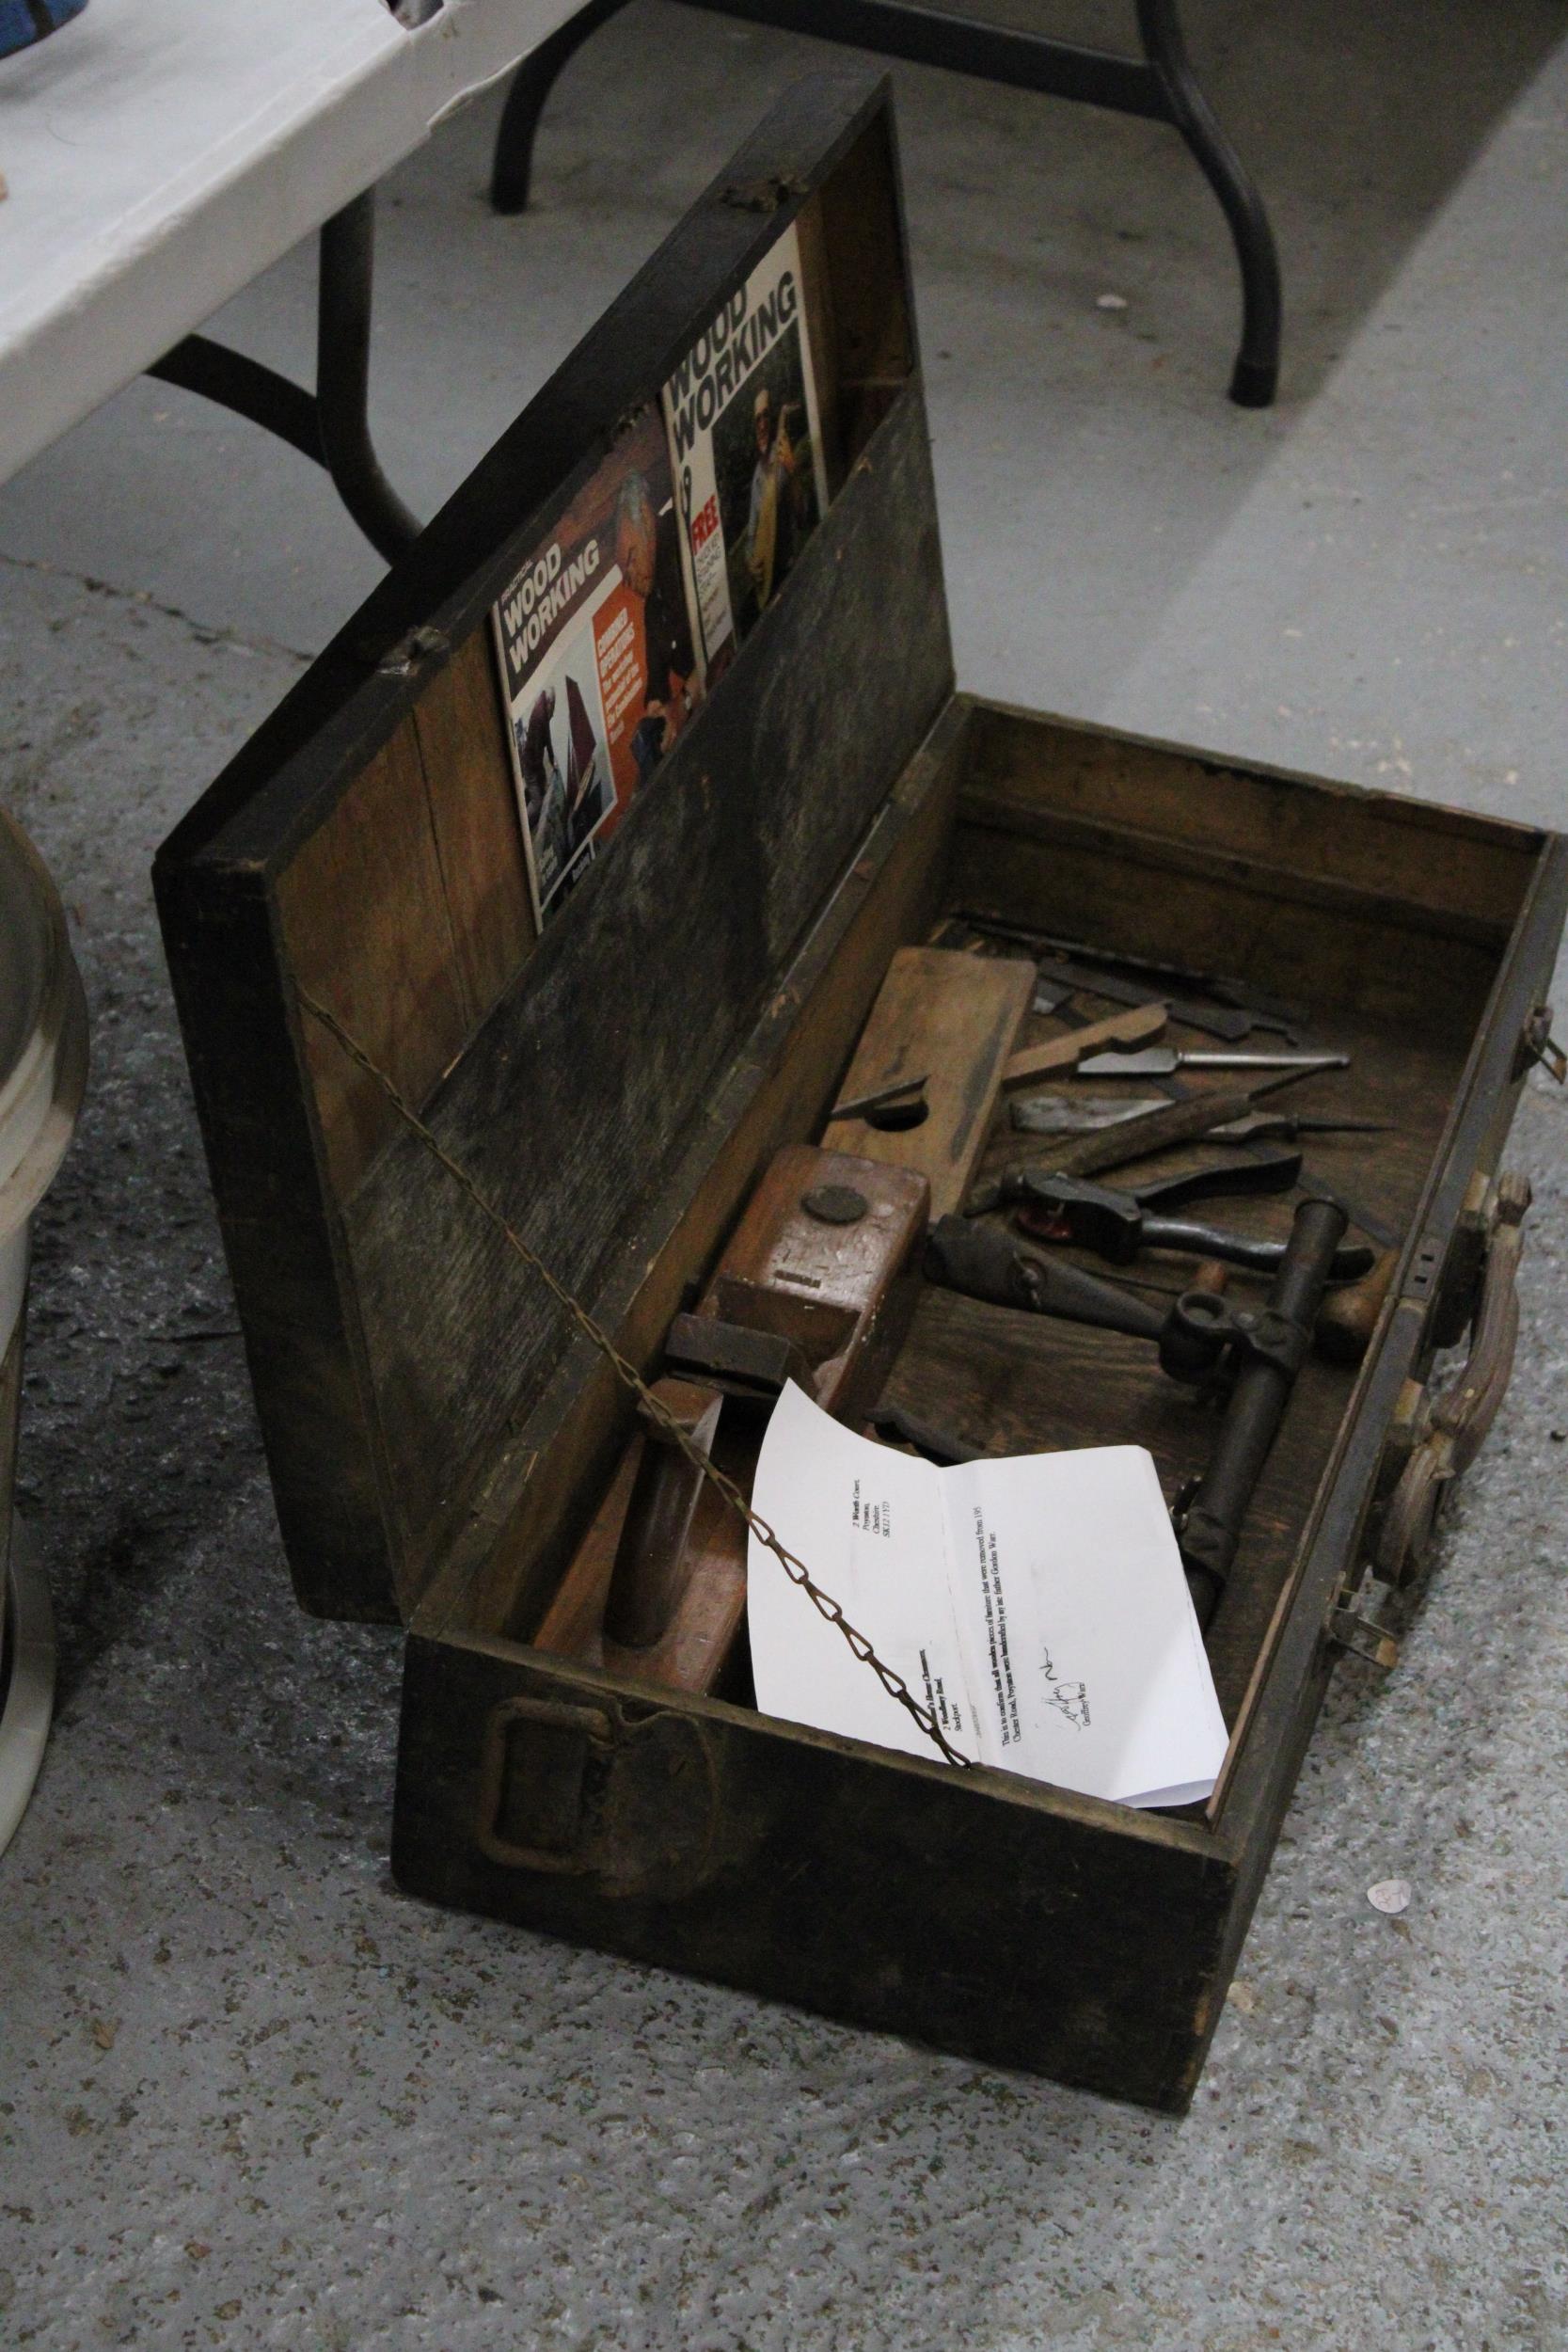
22,22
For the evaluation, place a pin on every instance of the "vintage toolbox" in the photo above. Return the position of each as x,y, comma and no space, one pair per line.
440,1435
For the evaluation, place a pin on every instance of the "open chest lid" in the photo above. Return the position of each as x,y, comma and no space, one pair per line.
368,853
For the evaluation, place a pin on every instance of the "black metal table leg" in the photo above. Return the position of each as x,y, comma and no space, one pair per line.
234,380
330,425
342,378
1255,375
1159,85
512,168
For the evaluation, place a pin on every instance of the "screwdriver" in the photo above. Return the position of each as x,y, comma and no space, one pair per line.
1279,1127
1160,1061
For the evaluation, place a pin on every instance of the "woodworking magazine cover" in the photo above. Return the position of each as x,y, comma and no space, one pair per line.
746,441
597,659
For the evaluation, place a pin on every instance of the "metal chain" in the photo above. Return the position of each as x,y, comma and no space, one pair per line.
892,1681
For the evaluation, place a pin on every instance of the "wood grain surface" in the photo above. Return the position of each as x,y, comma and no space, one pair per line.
952,1019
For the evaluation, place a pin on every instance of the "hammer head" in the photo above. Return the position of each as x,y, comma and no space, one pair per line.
1065,1208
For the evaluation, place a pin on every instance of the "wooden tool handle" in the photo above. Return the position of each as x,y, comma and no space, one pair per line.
1453,1425
1348,1316
1141,1025
1152,1131
652,1569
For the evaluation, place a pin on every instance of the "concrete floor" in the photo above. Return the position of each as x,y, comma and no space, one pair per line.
249,2096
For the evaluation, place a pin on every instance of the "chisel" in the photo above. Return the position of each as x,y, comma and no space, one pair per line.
1136,1139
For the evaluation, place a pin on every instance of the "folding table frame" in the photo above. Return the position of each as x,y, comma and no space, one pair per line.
330,425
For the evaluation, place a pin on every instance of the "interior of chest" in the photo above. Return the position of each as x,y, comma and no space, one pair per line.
1358,927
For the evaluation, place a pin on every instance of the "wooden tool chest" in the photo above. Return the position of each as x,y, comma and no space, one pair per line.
440,1436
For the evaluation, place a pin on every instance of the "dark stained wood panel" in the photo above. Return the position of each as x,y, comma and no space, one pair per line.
873,313
972,1910
571,1098
279,1236
461,730
288,849
1290,930
1431,862
368,931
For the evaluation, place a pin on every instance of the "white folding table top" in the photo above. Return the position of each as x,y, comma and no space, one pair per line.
158,153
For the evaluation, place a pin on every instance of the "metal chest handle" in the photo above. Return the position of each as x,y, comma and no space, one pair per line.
1452,1426
632,1797
590,1725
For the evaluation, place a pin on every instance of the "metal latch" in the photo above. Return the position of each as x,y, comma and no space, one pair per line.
1353,1624
1537,1044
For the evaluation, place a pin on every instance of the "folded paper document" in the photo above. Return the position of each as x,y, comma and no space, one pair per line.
1037,1605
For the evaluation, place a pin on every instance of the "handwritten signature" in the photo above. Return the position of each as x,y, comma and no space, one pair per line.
1071,1699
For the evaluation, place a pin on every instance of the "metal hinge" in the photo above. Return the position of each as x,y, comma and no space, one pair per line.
766,196
410,652
1352,1625
1537,1044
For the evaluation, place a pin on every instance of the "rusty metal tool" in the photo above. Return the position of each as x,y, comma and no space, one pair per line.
1068,1052
1120,1225
1265,1348
984,1262
912,1090
1279,1127
1229,1118
1230,1022
1135,1138
1076,1114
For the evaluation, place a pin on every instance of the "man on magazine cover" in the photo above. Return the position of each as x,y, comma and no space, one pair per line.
590,794
544,789
647,551
771,524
